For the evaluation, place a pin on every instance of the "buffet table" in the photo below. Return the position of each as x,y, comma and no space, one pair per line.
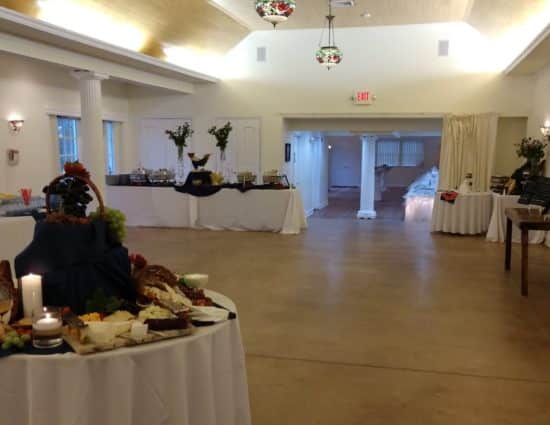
497,226
229,209
197,380
469,215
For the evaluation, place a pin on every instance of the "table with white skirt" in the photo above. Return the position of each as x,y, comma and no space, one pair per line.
470,214
497,226
279,211
196,380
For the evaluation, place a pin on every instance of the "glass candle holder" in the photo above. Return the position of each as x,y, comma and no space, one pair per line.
47,328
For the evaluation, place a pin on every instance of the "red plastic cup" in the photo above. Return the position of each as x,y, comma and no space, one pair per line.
26,195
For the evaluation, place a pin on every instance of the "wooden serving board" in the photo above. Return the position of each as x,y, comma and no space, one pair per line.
123,340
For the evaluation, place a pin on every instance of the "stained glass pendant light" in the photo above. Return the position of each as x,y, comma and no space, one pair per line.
329,54
275,11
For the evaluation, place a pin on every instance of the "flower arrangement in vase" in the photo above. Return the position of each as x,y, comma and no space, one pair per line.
179,136
533,150
222,138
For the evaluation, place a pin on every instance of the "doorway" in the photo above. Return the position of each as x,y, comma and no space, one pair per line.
327,167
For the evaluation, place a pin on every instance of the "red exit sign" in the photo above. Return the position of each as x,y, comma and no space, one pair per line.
363,97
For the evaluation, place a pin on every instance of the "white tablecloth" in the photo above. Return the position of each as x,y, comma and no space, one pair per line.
497,226
469,215
198,380
15,234
256,210
419,208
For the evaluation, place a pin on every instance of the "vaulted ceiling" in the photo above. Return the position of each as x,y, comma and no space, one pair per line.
490,17
217,25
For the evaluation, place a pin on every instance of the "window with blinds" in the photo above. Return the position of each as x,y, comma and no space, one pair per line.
387,153
399,153
412,153
67,138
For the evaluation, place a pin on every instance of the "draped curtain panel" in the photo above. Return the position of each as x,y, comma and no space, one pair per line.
468,145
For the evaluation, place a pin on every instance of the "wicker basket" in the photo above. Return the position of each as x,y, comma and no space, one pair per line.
85,180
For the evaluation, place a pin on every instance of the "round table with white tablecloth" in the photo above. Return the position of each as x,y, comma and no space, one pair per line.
197,380
497,226
468,215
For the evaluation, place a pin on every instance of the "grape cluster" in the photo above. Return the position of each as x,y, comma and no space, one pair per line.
13,339
116,220
74,193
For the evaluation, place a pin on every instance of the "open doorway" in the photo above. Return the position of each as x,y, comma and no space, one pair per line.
362,168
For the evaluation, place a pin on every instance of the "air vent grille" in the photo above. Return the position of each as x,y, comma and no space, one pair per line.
261,54
443,48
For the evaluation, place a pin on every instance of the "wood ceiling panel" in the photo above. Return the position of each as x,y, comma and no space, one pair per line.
311,13
190,23
495,17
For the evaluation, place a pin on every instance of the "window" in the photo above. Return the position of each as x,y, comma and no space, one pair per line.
387,153
110,145
67,137
412,153
399,153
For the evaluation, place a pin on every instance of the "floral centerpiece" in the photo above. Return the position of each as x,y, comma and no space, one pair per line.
533,150
179,137
222,136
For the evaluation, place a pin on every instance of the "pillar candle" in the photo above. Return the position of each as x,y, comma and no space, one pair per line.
31,290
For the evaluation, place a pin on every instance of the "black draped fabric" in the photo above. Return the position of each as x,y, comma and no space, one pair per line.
209,190
74,261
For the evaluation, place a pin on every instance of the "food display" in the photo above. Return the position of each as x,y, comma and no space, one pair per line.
159,305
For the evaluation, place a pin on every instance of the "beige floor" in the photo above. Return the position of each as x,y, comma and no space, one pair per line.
377,322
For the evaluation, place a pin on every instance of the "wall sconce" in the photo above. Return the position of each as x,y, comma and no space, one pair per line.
545,130
15,125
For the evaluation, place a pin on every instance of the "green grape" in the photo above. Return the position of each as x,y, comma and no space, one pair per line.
12,333
6,345
19,344
26,338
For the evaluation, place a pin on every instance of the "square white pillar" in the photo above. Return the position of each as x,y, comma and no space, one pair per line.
368,163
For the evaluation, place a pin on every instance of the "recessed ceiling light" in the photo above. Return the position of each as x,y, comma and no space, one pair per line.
366,15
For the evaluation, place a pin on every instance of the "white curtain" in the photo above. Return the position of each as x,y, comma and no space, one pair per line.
468,146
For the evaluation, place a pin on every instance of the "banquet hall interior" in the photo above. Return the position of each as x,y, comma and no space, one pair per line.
235,212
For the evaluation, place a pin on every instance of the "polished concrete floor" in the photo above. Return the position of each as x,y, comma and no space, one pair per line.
377,322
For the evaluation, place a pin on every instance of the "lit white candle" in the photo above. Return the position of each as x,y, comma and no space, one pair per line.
46,324
31,289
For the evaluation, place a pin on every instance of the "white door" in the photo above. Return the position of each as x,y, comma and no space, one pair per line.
156,150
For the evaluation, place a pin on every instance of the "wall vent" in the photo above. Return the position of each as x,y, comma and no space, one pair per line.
443,48
261,54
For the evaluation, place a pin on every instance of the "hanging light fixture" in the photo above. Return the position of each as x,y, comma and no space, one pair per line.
275,11
329,55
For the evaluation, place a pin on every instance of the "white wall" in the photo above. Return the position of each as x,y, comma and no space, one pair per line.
344,161
399,64
33,89
510,131
541,107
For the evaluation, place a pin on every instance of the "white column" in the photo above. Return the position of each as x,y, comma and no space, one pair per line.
92,146
368,163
